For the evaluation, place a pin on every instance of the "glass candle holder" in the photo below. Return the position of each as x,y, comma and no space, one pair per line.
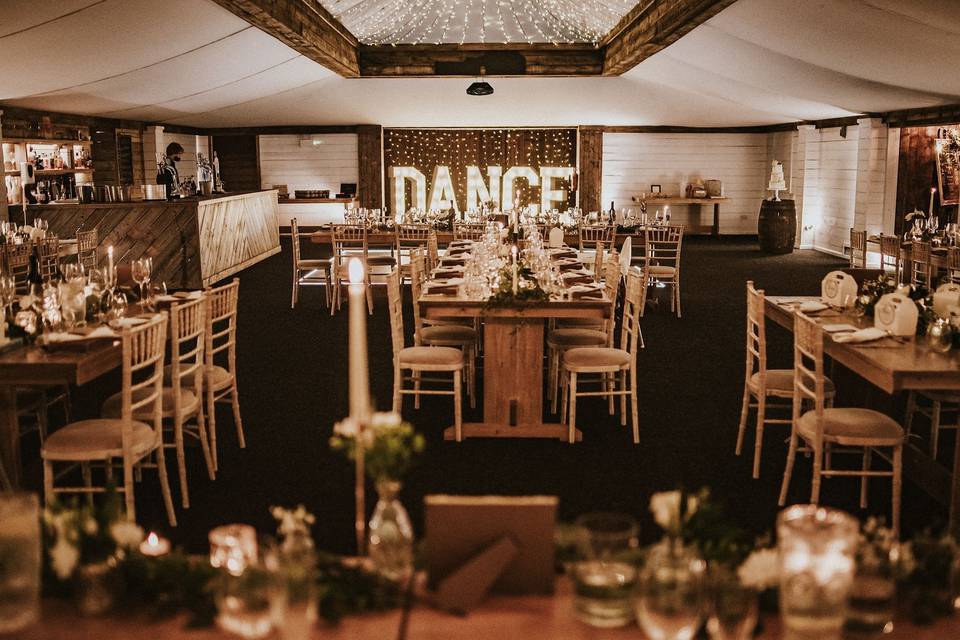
605,576
19,561
817,548
233,547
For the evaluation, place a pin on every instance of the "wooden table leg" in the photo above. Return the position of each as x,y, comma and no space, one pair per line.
716,219
10,434
512,383
954,515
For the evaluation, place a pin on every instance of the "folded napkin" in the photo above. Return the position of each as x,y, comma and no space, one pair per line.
577,278
812,306
443,289
563,254
60,338
595,294
569,266
188,295
456,251
452,262
863,335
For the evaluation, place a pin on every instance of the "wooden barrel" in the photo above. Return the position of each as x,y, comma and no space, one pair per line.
777,227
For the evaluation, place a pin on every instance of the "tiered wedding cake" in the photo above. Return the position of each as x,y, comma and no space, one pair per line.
777,181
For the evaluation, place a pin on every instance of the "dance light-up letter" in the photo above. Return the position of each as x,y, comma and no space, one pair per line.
549,195
477,191
441,190
512,174
418,189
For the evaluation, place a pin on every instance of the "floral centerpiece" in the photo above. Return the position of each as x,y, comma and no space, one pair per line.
528,287
872,290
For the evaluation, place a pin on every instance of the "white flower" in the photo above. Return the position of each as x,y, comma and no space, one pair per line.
63,558
347,428
126,534
385,419
761,570
90,527
292,521
665,506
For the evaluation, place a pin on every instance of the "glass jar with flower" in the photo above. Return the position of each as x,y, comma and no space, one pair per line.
390,447
294,601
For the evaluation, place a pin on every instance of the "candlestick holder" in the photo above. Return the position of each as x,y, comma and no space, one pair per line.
817,548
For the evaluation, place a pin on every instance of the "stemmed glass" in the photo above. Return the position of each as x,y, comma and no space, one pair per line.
140,272
8,293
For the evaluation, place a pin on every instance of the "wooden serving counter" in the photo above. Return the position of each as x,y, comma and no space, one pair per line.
194,242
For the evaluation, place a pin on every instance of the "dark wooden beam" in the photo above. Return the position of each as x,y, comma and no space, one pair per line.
428,60
652,25
590,174
281,130
304,26
370,164
925,116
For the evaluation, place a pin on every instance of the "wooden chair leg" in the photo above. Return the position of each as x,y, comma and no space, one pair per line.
564,392
634,408
212,414
865,480
87,480
164,486
48,482
935,429
457,417
5,483
911,409
817,476
610,385
397,397
744,414
416,390
204,442
293,293
472,374
788,470
181,460
758,443
572,427
897,486
623,398
128,482
677,285
237,420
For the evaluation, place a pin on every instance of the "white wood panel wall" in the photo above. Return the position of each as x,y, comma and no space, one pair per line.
634,161
297,162
831,168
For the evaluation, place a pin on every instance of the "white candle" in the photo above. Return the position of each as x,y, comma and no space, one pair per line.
930,209
109,260
359,377
155,546
516,278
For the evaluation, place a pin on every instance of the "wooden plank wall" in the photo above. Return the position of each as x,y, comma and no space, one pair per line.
239,164
370,169
832,172
590,168
295,161
236,232
634,161
916,172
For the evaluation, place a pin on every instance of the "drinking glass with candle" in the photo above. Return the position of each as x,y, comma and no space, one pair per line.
19,561
817,547
604,577
232,547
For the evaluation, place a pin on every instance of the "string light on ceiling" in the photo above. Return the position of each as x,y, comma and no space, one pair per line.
391,22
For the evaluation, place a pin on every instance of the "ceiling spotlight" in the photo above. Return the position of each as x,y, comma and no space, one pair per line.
480,88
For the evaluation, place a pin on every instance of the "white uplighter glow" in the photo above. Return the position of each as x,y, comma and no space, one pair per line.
356,271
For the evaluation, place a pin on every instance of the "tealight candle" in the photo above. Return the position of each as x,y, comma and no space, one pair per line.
155,546
233,547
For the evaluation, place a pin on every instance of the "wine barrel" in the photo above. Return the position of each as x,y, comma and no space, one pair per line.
777,226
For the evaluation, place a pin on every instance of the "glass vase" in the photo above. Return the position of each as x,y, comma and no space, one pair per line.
294,602
733,607
671,596
95,588
390,534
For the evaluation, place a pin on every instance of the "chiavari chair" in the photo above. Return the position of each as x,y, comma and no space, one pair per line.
307,272
88,243
127,438
606,361
433,252
409,237
419,360
220,380
469,230
824,430
662,246
940,402
48,257
594,237
441,332
348,241
182,393
858,248
953,264
890,254
596,333
764,389
16,259
920,267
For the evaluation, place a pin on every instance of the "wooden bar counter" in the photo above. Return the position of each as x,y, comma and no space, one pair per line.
194,242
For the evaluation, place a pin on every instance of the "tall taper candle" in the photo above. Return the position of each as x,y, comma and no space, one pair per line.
359,393
933,191
516,277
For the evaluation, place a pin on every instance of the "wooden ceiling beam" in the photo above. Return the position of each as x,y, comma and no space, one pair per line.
501,60
306,27
651,26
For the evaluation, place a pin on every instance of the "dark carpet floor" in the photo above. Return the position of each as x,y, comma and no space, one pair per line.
293,366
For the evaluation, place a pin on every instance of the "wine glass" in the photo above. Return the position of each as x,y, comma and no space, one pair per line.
140,272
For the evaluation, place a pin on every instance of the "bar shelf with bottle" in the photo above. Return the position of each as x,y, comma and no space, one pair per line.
69,162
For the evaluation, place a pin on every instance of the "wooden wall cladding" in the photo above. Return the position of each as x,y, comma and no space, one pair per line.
239,161
917,173
590,173
370,154
459,148
235,232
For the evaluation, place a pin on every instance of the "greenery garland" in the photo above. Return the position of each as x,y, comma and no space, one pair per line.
531,292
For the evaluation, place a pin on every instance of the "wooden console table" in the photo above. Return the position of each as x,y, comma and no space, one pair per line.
715,229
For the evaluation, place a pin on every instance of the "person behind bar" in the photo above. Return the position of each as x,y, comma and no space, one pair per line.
168,172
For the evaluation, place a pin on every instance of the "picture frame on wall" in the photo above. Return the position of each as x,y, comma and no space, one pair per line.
655,189
948,167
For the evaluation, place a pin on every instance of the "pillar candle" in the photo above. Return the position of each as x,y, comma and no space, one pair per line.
359,375
515,270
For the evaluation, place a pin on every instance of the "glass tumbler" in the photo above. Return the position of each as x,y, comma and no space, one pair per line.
605,576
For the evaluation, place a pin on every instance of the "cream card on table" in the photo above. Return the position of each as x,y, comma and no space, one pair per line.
896,314
839,289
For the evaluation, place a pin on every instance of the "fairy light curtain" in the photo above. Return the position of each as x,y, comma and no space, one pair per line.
425,149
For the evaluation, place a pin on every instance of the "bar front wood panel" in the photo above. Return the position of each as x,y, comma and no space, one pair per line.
236,232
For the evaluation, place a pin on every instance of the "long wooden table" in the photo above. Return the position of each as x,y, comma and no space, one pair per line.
894,367
512,361
34,365
527,617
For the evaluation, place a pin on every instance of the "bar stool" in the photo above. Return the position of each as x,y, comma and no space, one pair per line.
856,430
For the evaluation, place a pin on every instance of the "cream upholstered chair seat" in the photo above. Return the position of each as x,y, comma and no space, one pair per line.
447,332
780,383
380,260
430,356
566,338
595,359
853,427
662,270
315,264
189,401
219,378
99,437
